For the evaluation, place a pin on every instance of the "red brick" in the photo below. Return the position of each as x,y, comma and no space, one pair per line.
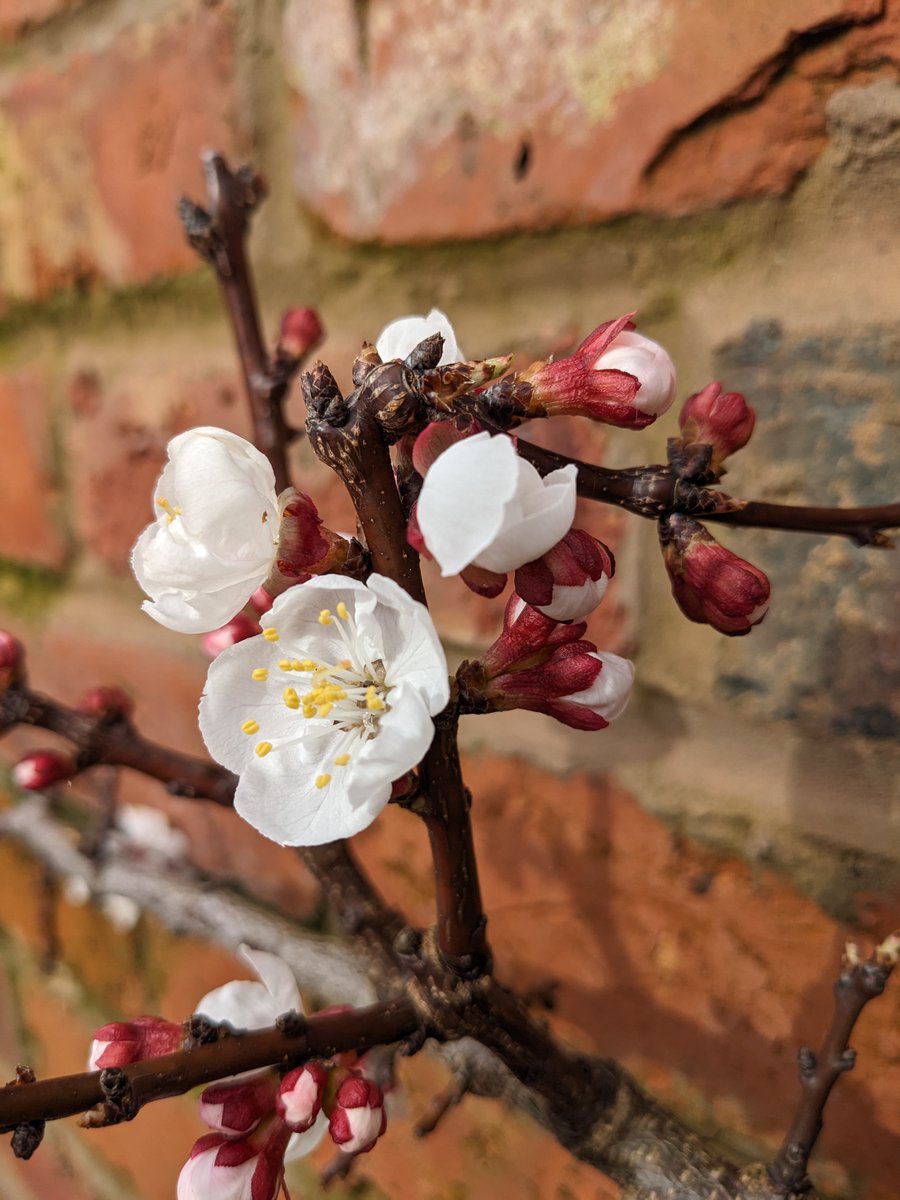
98,150
28,529
571,117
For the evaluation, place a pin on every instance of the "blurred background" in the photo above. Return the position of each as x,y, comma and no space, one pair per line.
533,167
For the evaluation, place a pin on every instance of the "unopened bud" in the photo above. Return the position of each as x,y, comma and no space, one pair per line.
247,1168
236,1107
723,420
12,659
616,376
711,585
306,546
42,769
570,579
238,629
300,330
358,1118
300,1095
123,1042
106,704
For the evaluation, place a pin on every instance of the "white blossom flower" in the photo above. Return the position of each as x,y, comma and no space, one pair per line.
403,335
483,505
332,703
213,541
148,829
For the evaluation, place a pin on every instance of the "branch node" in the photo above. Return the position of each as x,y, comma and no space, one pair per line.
27,1137
807,1062
119,1103
203,1032
292,1024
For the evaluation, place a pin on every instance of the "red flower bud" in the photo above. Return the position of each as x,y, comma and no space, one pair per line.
235,1107
570,580
106,704
616,376
42,769
358,1118
305,546
123,1042
300,1094
300,330
711,585
723,420
248,1168
12,659
238,629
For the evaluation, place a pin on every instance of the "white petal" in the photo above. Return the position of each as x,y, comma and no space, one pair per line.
412,649
611,691
201,1179
276,976
572,602
404,735
243,1003
647,361
302,1144
543,518
402,336
462,505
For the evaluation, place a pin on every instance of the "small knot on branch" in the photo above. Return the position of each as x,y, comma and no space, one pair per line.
292,1024
27,1137
119,1103
203,1032
200,230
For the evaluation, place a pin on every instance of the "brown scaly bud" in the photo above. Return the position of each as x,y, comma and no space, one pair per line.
427,354
300,331
722,420
107,704
711,585
323,396
390,393
367,358
442,386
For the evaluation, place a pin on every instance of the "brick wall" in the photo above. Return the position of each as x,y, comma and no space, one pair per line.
533,169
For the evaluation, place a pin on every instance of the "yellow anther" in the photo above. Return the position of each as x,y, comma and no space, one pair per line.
342,760
259,674
325,709
270,634
291,699
323,781
250,726
170,511
298,665
342,611
374,703
345,663
263,748
285,664
325,617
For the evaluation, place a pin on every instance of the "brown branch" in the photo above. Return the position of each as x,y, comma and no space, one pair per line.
219,235
655,491
857,984
288,1044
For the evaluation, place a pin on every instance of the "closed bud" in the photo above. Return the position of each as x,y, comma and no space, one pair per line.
723,420
570,579
42,769
300,330
123,1042
106,704
235,1107
711,585
306,547
300,1094
616,376
358,1118
238,629
12,659
248,1168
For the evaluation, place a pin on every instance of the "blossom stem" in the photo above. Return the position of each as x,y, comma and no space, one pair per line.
219,235
651,492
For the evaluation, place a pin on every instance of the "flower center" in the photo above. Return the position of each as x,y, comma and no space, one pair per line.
349,696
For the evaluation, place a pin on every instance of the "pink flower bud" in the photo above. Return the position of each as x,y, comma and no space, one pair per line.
300,330
722,420
711,585
238,629
124,1042
577,685
12,658
221,1168
42,769
261,600
528,638
235,1107
300,1096
616,376
106,704
305,546
570,579
358,1119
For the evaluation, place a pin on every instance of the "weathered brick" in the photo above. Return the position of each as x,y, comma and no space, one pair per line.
545,114
29,530
97,150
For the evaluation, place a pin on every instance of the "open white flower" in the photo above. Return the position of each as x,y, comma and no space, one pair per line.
483,505
403,335
213,540
333,702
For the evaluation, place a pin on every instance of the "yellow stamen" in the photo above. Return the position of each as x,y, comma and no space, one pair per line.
345,663
259,674
374,703
325,617
342,611
170,511
325,709
263,748
285,664
342,760
298,665
270,634
323,781
250,726
291,699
